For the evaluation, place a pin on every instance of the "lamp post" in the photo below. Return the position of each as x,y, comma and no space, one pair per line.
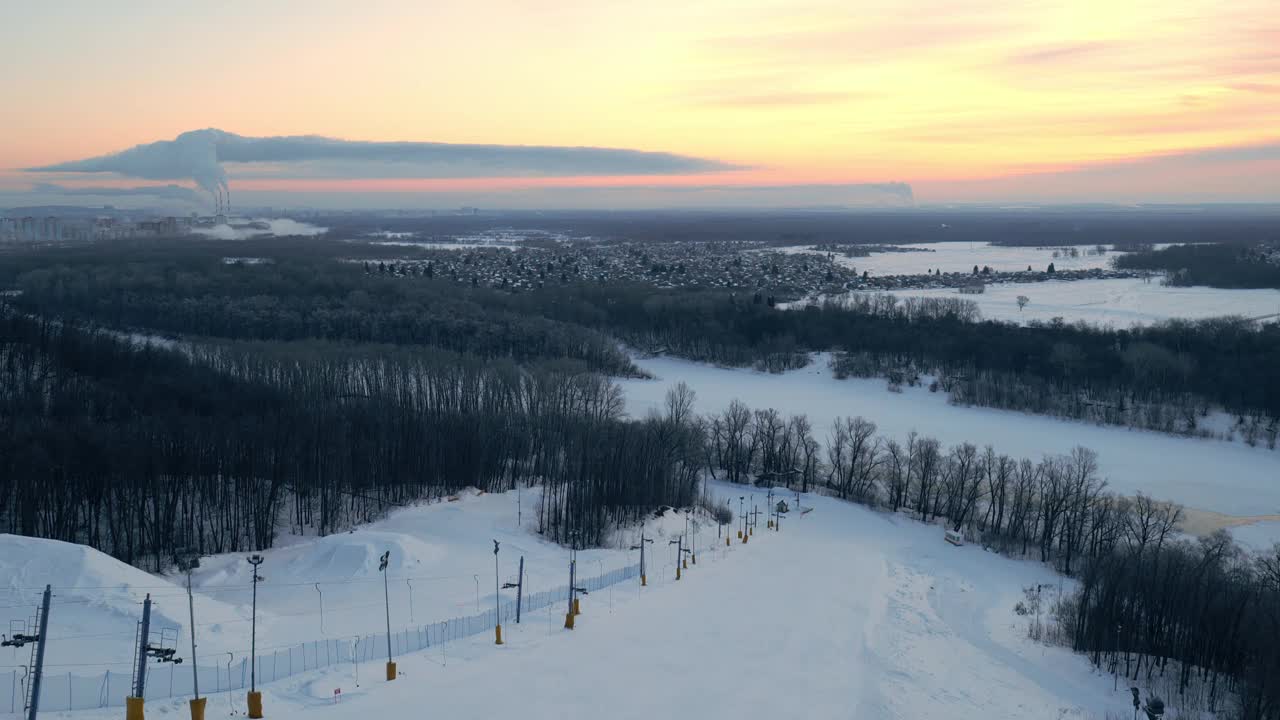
188,563
742,534
321,594
255,697
383,562
640,547
497,599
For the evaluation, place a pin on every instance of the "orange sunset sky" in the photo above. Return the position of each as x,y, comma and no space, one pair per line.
965,100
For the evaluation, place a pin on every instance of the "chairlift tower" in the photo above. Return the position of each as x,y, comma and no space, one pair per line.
31,700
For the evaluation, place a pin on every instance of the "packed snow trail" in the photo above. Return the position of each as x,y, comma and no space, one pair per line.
755,633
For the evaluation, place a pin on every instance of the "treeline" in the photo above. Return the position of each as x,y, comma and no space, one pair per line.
1164,377
143,452
305,298
1056,507
1223,266
1200,611
1148,601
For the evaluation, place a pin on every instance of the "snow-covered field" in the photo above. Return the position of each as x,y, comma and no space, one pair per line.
1226,477
1119,302
961,257
844,613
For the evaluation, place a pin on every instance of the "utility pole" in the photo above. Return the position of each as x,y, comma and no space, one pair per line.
255,697
497,599
32,701
679,543
386,598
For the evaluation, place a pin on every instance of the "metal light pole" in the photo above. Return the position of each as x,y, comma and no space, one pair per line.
497,599
197,703
693,544
573,567
741,512
386,597
321,594
409,582
255,697
643,540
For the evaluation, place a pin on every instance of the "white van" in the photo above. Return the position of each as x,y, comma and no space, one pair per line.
954,537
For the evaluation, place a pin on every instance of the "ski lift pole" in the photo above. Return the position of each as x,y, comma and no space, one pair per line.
37,673
134,703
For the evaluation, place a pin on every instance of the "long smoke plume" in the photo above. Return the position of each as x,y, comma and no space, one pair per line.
199,156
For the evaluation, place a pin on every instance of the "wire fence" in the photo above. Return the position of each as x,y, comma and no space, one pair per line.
68,691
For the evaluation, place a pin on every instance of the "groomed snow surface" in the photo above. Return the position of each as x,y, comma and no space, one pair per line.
844,613
1225,477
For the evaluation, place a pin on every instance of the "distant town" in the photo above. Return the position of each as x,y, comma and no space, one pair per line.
80,224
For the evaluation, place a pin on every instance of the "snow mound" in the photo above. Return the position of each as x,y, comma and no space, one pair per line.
352,556
76,572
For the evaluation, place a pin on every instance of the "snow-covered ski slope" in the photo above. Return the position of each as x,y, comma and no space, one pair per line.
844,613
